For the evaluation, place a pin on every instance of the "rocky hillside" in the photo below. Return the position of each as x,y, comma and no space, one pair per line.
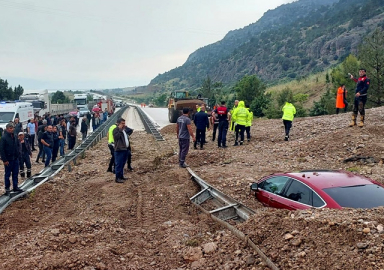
288,42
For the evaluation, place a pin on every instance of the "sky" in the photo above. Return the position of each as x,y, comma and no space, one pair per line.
99,44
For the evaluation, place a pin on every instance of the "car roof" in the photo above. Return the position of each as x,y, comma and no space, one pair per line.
328,179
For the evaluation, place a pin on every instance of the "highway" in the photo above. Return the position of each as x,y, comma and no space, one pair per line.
158,115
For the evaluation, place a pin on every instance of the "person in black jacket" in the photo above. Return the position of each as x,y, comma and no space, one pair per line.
47,141
18,126
84,128
121,149
25,155
56,143
72,135
129,132
201,123
40,131
362,86
10,152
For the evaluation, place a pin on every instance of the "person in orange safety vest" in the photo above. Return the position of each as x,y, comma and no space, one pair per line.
341,99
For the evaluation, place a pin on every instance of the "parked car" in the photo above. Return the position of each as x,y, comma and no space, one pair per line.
306,189
83,111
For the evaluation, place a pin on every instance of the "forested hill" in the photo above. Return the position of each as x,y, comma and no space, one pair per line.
290,41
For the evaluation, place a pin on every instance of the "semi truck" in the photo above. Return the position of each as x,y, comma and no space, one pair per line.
42,104
81,101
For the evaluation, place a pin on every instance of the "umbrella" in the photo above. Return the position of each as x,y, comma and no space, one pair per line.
73,113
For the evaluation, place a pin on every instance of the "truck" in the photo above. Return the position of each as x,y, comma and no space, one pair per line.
9,110
42,104
179,100
81,100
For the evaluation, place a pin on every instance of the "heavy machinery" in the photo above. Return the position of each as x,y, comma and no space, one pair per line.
179,100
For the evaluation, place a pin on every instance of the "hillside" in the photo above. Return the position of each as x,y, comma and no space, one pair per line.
291,41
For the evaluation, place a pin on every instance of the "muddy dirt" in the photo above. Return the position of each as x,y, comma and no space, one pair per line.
84,220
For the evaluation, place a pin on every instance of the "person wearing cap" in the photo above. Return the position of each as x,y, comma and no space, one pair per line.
10,152
25,155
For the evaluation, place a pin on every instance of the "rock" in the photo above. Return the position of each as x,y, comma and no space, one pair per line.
193,254
302,254
361,245
250,260
366,230
72,240
209,247
380,228
55,232
198,264
296,242
288,236
295,232
238,252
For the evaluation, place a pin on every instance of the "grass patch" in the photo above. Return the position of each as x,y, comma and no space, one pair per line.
353,169
192,242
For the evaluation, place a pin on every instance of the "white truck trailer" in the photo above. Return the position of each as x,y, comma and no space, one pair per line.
42,104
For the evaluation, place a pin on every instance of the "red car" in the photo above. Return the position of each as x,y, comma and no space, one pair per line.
306,189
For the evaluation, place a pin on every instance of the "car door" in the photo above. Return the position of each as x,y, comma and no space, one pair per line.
270,190
298,196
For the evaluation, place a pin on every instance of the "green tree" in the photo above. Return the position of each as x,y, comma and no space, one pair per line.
250,88
161,100
210,90
371,55
326,104
59,98
18,91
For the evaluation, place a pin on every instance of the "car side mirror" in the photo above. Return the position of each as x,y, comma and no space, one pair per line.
254,187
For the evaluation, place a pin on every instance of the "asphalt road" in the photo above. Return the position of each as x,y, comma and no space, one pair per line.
158,115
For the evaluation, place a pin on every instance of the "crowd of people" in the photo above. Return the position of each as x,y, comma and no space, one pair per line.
239,119
50,134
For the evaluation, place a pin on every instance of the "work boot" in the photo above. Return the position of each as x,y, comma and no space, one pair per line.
28,174
353,122
7,192
361,123
119,180
22,174
241,142
236,144
286,138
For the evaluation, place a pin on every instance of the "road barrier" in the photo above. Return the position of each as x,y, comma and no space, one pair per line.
54,168
149,125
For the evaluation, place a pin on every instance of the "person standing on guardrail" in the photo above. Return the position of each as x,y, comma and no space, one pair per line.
10,152
121,141
47,141
184,134
56,141
25,155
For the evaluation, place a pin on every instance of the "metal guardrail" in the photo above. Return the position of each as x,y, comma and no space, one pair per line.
225,209
149,125
50,171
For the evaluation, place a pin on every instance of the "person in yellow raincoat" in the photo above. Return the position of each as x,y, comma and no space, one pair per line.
288,114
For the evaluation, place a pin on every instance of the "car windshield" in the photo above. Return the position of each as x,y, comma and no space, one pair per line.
362,196
5,117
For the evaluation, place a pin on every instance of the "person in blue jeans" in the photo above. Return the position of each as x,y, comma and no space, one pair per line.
47,141
121,140
10,152
62,130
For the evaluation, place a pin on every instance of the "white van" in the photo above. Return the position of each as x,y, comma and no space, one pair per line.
11,110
